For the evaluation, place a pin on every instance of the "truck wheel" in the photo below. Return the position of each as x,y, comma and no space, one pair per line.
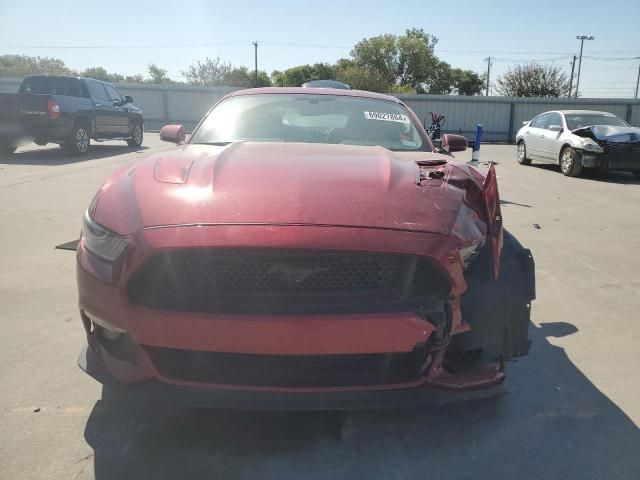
522,154
8,150
78,141
136,136
570,164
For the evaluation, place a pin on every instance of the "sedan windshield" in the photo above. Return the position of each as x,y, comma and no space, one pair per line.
307,118
575,120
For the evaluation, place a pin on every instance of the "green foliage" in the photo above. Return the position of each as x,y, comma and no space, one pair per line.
21,65
296,76
245,78
533,80
359,77
467,82
211,73
157,74
100,73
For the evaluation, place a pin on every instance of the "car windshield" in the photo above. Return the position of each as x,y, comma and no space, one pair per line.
308,118
575,120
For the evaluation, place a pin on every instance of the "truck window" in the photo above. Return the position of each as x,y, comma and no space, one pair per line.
113,93
51,86
97,92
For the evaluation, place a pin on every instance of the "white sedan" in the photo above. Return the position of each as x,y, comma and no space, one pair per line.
576,139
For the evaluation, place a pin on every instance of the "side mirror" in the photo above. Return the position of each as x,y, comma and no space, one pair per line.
172,133
128,99
116,103
526,122
555,128
453,143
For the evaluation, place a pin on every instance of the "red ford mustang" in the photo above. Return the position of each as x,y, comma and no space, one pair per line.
306,248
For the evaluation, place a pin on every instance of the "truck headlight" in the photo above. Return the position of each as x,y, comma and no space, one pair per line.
590,145
101,241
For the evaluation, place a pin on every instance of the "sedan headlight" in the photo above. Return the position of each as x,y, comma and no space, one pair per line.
469,253
590,145
101,241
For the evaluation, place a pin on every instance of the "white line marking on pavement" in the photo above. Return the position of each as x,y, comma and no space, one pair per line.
622,284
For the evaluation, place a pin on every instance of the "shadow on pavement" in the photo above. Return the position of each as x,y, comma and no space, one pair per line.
609,176
57,156
553,423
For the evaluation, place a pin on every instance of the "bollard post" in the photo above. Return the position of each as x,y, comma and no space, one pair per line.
475,154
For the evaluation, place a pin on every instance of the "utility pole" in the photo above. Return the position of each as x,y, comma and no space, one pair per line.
488,60
637,80
573,66
582,38
255,45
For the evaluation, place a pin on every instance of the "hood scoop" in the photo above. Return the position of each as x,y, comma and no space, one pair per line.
431,173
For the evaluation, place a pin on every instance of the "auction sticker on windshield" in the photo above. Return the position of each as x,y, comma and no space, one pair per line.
389,117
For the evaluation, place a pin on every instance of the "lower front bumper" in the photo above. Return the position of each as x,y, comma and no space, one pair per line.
155,392
610,162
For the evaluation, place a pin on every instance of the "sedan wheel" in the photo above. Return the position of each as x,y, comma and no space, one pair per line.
570,166
522,154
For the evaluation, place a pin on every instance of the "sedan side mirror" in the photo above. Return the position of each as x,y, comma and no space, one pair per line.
555,128
128,99
172,133
453,143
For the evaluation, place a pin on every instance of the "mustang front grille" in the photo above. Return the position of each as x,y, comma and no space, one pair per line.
288,370
273,280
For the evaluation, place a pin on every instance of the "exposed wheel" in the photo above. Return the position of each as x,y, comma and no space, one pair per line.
78,141
137,134
7,150
522,154
570,166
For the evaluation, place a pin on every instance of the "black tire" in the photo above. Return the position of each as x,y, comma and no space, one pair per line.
79,140
522,154
570,164
137,135
8,150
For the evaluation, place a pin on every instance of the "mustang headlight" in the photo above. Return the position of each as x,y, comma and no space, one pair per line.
469,253
590,145
100,241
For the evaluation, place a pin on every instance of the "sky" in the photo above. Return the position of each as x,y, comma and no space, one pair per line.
126,36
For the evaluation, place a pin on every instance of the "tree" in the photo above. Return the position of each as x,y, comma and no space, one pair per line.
296,76
361,78
243,77
22,65
99,73
157,74
134,78
467,82
533,80
208,73
406,60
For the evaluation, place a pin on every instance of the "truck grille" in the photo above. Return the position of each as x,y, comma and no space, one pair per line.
217,280
288,370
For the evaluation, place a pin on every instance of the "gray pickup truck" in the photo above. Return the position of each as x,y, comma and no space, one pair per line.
69,111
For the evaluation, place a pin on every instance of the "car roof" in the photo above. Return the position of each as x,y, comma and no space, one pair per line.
314,91
580,112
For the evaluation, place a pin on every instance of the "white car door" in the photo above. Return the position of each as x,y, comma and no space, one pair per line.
533,135
551,137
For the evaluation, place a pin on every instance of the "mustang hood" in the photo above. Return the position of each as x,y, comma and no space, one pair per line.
610,133
289,183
